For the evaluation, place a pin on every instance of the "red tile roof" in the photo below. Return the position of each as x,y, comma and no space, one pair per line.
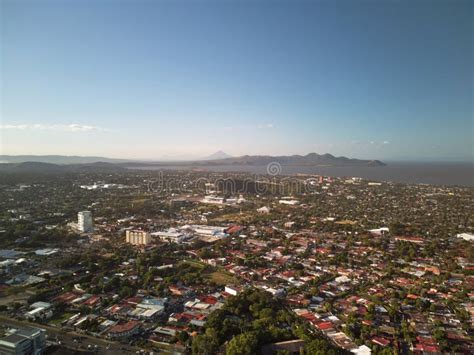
380,341
123,328
325,325
208,299
92,301
234,229
65,297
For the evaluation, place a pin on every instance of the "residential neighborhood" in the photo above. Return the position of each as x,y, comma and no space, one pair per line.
347,266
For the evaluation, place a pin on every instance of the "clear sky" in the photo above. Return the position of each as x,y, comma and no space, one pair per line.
146,79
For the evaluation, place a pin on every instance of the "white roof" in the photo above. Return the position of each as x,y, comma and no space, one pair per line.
169,234
149,313
201,305
155,307
342,278
166,331
379,230
7,262
362,350
465,236
190,304
34,311
41,305
45,252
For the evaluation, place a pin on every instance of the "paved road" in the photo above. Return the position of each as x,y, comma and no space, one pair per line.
56,335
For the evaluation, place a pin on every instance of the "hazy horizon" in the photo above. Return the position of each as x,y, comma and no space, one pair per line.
190,157
151,79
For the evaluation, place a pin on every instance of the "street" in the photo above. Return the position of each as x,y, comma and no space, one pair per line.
70,340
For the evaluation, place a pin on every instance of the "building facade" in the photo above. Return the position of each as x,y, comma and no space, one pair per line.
171,236
138,237
84,222
24,341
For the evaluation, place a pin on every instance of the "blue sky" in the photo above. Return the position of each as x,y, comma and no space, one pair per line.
146,79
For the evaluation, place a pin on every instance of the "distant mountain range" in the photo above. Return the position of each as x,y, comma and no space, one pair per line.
312,159
57,159
58,163
74,159
39,167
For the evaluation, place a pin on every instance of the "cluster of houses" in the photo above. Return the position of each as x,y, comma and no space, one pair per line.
330,257
365,290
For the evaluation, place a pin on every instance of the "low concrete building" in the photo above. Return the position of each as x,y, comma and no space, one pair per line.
40,311
23,341
172,235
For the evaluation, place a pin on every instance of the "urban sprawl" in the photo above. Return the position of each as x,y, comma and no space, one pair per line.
193,262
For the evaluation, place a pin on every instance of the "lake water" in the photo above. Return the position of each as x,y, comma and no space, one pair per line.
461,174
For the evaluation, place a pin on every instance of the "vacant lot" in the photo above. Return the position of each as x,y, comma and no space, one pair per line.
221,278
15,295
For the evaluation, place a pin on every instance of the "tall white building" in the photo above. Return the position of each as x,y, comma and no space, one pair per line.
84,221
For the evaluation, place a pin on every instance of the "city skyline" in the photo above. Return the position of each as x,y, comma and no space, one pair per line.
155,79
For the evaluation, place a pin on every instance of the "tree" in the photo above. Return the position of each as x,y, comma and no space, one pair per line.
243,344
183,337
205,253
406,332
440,335
249,320
319,347
126,291
205,344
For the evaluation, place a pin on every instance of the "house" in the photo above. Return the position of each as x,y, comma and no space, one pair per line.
415,240
342,279
380,341
289,202
263,210
167,331
378,231
232,290
211,199
233,230
179,290
125,330
92,301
